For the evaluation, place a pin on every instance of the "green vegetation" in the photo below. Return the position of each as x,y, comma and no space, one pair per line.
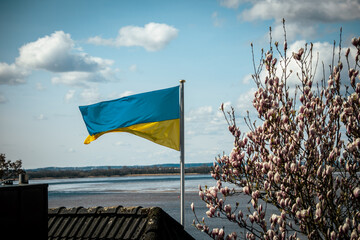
9,169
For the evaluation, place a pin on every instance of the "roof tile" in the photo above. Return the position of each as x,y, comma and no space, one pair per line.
113,223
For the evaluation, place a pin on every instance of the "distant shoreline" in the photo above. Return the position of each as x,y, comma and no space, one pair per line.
128,175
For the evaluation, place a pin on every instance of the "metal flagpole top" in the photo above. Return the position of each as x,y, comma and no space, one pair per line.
182,81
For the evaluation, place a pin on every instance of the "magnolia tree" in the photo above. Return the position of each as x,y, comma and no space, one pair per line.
301,156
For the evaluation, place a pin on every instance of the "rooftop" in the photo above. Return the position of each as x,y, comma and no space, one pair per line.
113,223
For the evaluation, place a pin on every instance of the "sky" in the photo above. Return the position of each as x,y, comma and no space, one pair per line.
60,54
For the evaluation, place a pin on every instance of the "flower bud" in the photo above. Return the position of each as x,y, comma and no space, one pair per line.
333,235
329,169
356,192
227,208
273,219
199,226
273,62
345,227
301,109
270,174
340,66
240,215
201,194
285,119
213,192
351,72
221,233
267,185
319,171
251,218
282,203
301,51
215,231
355,41
268,57
277,177
296,56
246,190
354,235
270,233
347,52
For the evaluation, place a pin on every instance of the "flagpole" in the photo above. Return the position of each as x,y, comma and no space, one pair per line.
182,153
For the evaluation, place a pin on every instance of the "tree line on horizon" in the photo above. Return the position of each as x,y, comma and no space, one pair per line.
76,173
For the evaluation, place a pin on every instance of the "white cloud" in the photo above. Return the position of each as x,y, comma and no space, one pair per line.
152,37
90,95
230,3
244,103
293,29
39,86
217,21
126,93
69,95
122,144
302,17
79,79
84,79
57,53
133,68
41,117
2,98
12,74
205,120
116,95
247,79
307,10
190,132
71,150
199,113
97,40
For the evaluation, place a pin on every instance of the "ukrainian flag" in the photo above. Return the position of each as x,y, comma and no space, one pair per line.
152,115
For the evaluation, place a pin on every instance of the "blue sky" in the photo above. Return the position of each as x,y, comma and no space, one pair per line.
57,55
